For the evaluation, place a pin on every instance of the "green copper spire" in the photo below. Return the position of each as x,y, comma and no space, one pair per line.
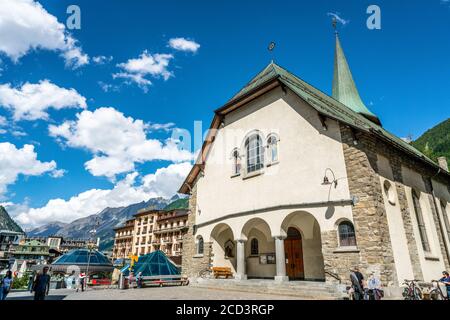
344,88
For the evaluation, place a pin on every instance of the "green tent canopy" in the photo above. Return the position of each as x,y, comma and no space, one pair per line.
153,264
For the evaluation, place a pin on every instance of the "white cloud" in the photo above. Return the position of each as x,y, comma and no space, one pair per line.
163,183
183,44
58,173
166,181
31,101
25,26
339,19
15,162
117,142
161,126
135,70
102,59
107,87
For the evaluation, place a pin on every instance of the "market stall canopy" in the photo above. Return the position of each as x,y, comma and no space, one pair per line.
98,262
154,264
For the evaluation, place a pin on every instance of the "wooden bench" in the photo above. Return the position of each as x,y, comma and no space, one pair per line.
222,272
165,280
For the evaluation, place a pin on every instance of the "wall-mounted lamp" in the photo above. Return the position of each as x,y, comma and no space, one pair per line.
326,180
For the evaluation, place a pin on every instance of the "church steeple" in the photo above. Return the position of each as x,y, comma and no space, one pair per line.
344,88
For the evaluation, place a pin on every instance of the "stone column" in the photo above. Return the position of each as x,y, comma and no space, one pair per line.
280,259
240,260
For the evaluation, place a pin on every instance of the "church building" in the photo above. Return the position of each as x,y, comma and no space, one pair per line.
294,184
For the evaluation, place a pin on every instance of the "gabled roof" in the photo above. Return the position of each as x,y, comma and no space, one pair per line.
272,76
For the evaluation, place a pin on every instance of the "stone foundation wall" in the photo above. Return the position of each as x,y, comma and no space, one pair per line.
192,263
337,265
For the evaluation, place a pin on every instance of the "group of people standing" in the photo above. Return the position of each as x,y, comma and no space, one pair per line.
39,283
362,290
132,280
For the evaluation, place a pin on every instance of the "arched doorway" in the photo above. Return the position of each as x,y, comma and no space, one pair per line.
293,249
303,247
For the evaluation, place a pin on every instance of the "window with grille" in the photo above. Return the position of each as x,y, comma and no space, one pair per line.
420,222
347,236
254,247
255,153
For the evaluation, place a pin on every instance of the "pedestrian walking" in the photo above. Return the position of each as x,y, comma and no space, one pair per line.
131,280
139,280
41,285
357,279
81,282
30,281
446,280
6,285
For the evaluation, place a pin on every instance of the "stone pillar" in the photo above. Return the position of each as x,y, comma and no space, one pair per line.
280,259
240,258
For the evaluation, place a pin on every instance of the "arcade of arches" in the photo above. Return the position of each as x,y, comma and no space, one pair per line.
295,253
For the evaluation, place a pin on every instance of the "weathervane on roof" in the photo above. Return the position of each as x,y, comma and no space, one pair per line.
334,24
271,47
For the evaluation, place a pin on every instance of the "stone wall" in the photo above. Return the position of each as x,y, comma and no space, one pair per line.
337,265
192,263
369,216
371,226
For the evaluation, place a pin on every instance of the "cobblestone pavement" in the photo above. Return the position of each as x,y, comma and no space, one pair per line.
156,293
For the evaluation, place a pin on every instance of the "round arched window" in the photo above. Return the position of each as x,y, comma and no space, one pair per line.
347,237
200,246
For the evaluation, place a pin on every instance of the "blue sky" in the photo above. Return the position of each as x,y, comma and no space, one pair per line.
402,72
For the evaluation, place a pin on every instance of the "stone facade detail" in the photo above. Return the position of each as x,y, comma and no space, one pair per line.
371,226
369,216
337,264
192,264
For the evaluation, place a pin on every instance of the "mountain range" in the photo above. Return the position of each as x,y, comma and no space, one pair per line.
7,223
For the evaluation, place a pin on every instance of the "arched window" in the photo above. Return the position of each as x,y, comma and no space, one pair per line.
236,169
255,153
272,148
347,236
254,247
420,222
200,246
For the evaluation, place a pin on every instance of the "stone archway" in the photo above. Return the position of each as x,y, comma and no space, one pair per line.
303,247
259,249
223,246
